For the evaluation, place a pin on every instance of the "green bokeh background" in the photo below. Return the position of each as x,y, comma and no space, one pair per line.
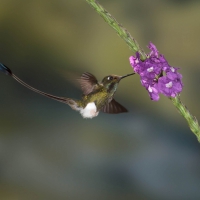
48,151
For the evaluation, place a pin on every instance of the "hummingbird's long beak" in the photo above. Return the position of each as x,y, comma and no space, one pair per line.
121,77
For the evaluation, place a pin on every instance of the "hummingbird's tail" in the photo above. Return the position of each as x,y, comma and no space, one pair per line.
72,103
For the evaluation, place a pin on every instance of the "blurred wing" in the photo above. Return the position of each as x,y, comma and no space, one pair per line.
113,108
87,82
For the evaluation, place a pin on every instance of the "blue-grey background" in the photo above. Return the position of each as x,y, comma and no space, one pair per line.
48,151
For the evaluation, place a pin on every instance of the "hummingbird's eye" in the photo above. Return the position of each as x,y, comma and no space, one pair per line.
110,78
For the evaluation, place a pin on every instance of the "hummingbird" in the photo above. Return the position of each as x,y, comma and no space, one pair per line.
97,96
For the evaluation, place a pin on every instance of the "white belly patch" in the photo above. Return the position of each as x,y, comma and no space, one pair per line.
89,111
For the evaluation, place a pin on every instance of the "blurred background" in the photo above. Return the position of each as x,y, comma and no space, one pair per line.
48,151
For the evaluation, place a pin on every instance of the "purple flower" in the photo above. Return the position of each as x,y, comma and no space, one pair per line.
156,75
136,62
153,49
153,92
168,87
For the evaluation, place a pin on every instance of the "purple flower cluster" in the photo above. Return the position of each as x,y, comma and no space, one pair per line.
156,75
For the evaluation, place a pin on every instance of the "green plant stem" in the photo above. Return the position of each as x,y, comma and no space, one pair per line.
134,46
121,31
192,121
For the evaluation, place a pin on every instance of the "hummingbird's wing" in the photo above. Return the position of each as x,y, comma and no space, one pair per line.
87,82
113,107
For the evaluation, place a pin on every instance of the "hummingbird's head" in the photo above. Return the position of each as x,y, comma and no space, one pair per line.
110,82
